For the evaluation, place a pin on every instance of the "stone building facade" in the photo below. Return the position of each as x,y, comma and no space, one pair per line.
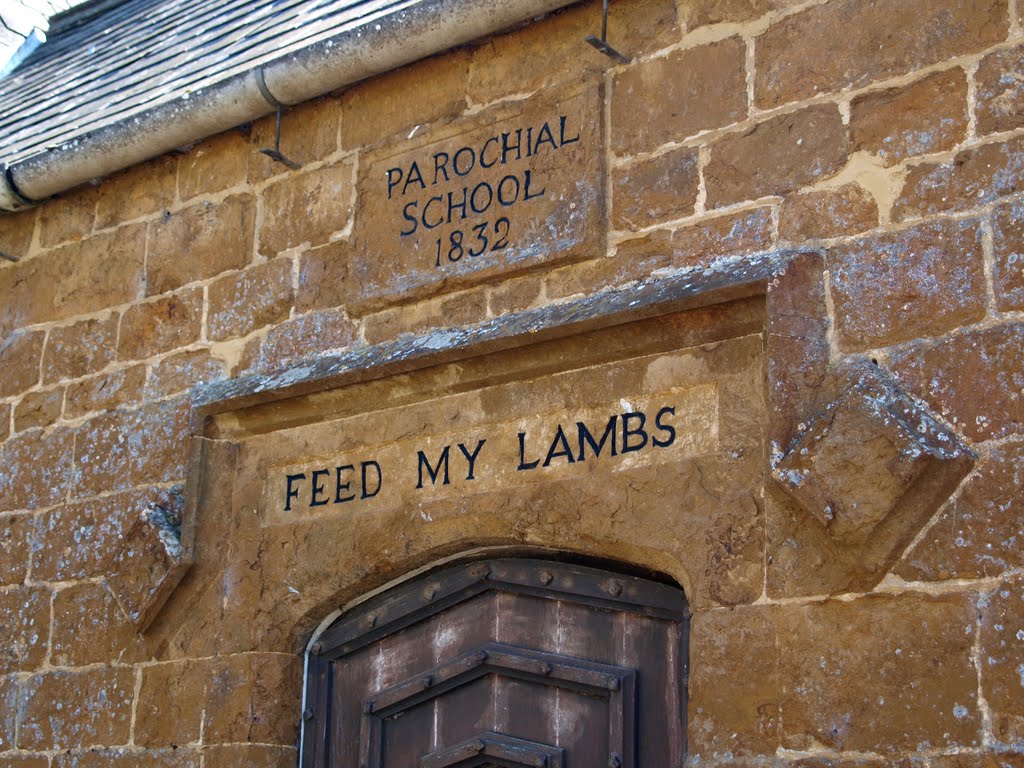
786,239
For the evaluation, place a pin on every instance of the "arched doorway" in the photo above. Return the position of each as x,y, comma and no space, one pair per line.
503,662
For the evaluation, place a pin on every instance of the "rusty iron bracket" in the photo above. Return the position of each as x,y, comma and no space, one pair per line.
8,257
602,43
275,153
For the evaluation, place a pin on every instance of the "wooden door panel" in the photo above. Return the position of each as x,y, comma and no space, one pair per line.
499,663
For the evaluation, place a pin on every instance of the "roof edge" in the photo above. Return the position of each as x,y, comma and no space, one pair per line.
392,41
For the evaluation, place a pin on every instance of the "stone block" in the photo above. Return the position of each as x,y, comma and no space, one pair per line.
69,217
16,232
95,707
777,156
463,308
250,756
15,543
37,469
75,279
161,325
929,115
182,371
1008,256
147,566
89,628
894,287
824,213
972,378
1002,660
141,190
20,354
25,627
105,391
304,338
814,52
38,409
251,698
120,450
429,224
199,242
244,302
216,164
875,457
8,711
973,178
679,95
744,233
6,412
377,109
525,54
323,275
999,91
655,190
976,536
129,757
309,132
699,13
80,349
171,702
306,206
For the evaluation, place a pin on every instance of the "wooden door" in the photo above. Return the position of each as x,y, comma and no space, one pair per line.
511,662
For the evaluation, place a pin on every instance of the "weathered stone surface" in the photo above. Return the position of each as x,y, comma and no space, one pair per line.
96,708
8,711
251,698
75,279
860,676
15,541
6,411
25,626
855,42
250,756
293,340
1002,661
37,469
323,273
171,702
139,191
515,295
182,371
679,94
105,391
871,457
169,322
978,759
847,210
38,409
697,13
130,757
898,286
975,379
24,760
16,231
147,566
70,217
119,450
462,308
777,156
974,177
306,206
309,132
199,242
977,535
999,91
19,360
89,628
80,348
75,541
377,109
929,115
1008,252
655,190
641,26
244,302
409,242
214,165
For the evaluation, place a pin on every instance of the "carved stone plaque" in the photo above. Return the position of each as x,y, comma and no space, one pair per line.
518,185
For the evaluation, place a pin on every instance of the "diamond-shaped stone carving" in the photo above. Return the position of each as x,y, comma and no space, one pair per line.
874,465
147,566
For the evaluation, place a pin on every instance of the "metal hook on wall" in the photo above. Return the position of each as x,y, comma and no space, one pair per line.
602,43
275,153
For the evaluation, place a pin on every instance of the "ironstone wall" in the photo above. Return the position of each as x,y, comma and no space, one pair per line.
884,134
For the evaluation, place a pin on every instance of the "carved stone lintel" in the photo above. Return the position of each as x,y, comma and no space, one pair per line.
145,569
